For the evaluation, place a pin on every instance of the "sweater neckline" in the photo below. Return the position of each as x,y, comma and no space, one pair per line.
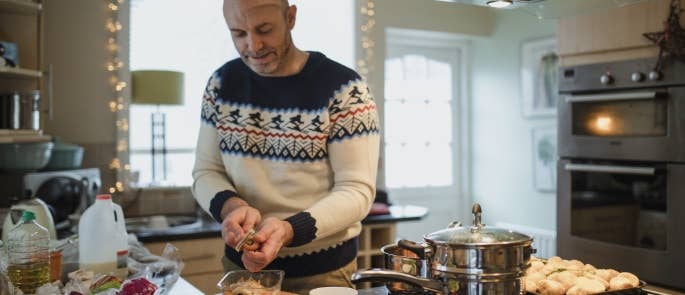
312,60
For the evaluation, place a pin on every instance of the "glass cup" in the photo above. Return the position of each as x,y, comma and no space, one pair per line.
264,282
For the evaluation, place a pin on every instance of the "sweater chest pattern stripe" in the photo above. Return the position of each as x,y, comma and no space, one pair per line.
290,134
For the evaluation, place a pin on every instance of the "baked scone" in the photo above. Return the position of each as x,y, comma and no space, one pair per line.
634,281
606,274
566,278
549,287
593,286
619,283
597,278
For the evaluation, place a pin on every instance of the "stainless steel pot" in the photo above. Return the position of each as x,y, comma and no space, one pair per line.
466,260
405,261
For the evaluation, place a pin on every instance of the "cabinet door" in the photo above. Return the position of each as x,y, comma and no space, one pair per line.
612,34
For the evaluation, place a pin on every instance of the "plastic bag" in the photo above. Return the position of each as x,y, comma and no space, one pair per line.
163,270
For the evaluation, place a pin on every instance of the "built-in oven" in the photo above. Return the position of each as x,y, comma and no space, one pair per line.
621,172
616,111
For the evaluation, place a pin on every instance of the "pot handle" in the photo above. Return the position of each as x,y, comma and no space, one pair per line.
384,275
415,247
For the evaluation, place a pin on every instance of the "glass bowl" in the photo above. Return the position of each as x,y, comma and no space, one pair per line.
243,282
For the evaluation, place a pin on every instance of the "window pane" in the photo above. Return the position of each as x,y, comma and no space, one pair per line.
418,165
418,122
179,168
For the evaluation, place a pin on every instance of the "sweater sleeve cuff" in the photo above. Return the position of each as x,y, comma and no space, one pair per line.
218,202
304,228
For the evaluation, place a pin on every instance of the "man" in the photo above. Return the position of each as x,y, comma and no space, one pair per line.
302,175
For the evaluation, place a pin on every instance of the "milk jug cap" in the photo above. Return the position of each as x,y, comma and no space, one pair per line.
104,197
27,215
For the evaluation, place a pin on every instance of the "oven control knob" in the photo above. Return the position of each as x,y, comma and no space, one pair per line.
606,79
637,77
654,76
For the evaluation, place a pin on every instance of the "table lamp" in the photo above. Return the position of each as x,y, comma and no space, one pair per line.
157,87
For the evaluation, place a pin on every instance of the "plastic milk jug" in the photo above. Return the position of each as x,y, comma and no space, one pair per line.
122,242
99,237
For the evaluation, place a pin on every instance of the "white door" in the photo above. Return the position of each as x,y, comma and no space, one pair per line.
424,131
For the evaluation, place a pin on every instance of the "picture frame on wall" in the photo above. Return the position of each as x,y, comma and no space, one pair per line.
539,77
544,140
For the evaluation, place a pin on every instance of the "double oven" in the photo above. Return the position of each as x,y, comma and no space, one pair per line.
621,171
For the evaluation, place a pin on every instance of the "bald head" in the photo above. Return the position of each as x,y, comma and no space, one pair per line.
261,32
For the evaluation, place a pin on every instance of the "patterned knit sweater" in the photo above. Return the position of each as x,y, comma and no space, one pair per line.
301,148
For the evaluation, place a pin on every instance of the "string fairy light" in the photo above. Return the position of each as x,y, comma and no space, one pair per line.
117,104
365,62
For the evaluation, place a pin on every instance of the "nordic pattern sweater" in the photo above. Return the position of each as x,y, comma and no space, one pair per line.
301,148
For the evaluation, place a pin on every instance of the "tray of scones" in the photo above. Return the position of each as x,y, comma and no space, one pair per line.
556,276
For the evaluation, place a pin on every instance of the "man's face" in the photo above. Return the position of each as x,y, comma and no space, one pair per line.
261,33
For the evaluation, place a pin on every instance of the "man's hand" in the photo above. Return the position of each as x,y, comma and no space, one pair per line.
237,222
273,235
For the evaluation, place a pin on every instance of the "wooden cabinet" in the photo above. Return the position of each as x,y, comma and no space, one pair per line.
372,238
612,34
21,24
202,259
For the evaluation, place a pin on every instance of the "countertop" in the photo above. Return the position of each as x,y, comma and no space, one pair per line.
182,287
207,227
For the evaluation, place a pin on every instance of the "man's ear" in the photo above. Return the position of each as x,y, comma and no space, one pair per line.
291,16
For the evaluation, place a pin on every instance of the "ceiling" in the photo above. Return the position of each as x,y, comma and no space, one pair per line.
554,9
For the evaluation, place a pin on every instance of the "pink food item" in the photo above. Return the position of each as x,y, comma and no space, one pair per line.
140,286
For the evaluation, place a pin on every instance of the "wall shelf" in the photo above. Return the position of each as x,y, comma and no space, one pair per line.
7,72
21,7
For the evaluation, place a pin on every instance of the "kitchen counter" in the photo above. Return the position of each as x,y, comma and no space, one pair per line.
182,287
207,227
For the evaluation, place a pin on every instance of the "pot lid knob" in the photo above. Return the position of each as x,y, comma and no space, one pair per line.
477,211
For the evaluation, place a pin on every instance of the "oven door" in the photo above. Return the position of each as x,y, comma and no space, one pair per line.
627,216
642,125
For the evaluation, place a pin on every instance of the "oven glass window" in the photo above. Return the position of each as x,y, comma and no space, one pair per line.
621,118
622,209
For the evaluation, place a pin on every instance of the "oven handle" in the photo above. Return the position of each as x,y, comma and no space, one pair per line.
613,96
611,169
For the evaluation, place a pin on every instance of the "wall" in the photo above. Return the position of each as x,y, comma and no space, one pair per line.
501,136
75,39
421,15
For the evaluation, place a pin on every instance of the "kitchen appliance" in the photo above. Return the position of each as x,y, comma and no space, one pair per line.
466,260
65,192
39,209
621,168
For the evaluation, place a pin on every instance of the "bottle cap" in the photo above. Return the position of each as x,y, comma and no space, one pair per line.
28,215
104,197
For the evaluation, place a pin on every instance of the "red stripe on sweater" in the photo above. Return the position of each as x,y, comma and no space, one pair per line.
269,134
353,112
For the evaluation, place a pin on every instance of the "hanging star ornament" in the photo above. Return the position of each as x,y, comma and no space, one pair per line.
671,40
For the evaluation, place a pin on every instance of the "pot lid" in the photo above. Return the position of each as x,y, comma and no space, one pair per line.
477,234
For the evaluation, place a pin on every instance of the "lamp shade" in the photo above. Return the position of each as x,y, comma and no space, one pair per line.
157,87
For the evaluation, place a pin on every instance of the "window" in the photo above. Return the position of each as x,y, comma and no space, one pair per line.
192,37
422,89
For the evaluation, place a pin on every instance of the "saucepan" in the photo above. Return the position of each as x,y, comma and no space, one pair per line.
465,260
405,261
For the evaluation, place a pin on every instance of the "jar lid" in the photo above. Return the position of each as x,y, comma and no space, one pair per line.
477,234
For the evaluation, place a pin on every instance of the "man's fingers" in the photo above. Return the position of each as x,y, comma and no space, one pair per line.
265,232
250,220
